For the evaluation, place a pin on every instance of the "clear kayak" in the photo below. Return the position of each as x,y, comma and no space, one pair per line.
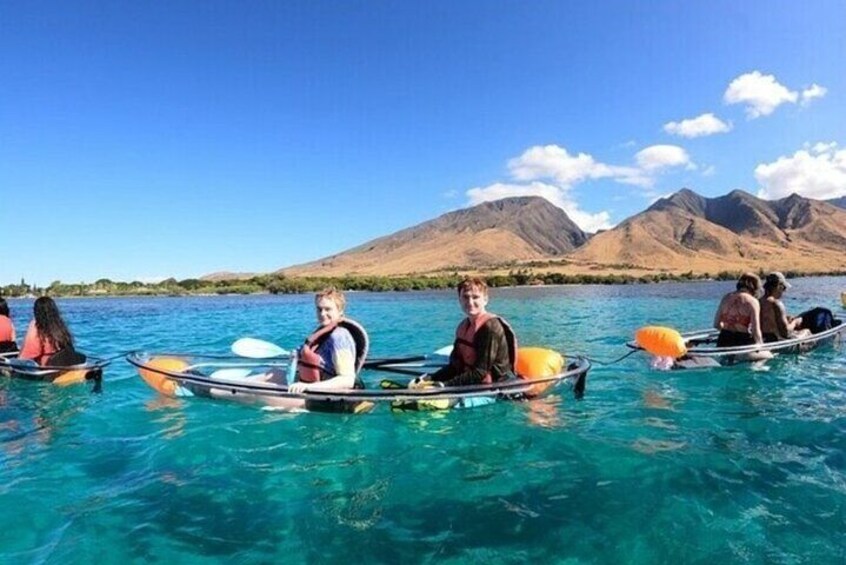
90,370
265,383
702,350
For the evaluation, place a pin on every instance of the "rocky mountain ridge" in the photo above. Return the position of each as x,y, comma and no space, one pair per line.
683,232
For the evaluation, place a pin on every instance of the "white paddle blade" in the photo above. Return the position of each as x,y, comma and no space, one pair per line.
231,374
257,348
444,351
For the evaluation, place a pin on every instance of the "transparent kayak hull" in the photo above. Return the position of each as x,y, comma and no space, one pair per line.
702,350
91,370
264,382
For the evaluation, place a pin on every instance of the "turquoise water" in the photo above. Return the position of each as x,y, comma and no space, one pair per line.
733,464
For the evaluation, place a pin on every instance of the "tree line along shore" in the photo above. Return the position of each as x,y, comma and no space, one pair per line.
281,284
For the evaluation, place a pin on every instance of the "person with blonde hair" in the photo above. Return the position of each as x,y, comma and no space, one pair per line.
333,354
739,315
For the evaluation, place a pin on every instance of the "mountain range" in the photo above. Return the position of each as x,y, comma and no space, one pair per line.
683,232
492,233
688,232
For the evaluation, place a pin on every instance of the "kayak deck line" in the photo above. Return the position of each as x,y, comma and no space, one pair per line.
702,344
62,375
194,375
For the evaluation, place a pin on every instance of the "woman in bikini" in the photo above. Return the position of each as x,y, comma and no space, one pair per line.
739,316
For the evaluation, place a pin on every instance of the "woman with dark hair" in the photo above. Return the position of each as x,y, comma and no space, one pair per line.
7,330
739,316
47,333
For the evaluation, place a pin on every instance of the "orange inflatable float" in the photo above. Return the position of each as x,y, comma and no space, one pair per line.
538,363
159,381
661,341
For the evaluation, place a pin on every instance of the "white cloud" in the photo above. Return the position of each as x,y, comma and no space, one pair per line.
555,163
658,157
656,197
762,94
706,124
557,195
450,194
813,91
821,147
551,171
819,173
709,171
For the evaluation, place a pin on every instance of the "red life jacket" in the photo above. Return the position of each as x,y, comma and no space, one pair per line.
464,355
311,366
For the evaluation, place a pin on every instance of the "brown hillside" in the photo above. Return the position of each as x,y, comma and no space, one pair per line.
504,231
684,232
736,231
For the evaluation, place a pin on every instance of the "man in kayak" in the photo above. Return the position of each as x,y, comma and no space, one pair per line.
739,315
485,347
775,323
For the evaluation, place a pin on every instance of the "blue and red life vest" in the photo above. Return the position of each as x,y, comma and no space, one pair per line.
311,367
464,354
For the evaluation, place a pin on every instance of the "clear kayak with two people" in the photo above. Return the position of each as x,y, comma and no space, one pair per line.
698,349
264,382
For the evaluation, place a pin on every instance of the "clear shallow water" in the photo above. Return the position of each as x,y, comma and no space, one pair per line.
730,464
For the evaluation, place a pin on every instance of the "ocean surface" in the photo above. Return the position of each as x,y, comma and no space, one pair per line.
730,465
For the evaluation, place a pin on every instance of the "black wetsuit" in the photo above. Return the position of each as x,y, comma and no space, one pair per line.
492,358
728,338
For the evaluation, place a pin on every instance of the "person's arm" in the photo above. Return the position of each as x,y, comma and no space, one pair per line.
718,314
487,343
449,371
794,323
782,323
32,344
756,320
344,361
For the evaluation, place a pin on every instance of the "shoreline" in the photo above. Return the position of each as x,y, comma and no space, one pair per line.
271,285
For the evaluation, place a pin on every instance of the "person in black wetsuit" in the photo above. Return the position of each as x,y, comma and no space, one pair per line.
485,347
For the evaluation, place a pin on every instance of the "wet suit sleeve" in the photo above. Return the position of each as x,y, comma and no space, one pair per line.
490,346
446,373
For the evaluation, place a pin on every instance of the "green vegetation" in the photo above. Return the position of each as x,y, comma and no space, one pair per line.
280,284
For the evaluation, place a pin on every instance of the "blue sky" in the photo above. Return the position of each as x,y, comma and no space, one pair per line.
140,140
